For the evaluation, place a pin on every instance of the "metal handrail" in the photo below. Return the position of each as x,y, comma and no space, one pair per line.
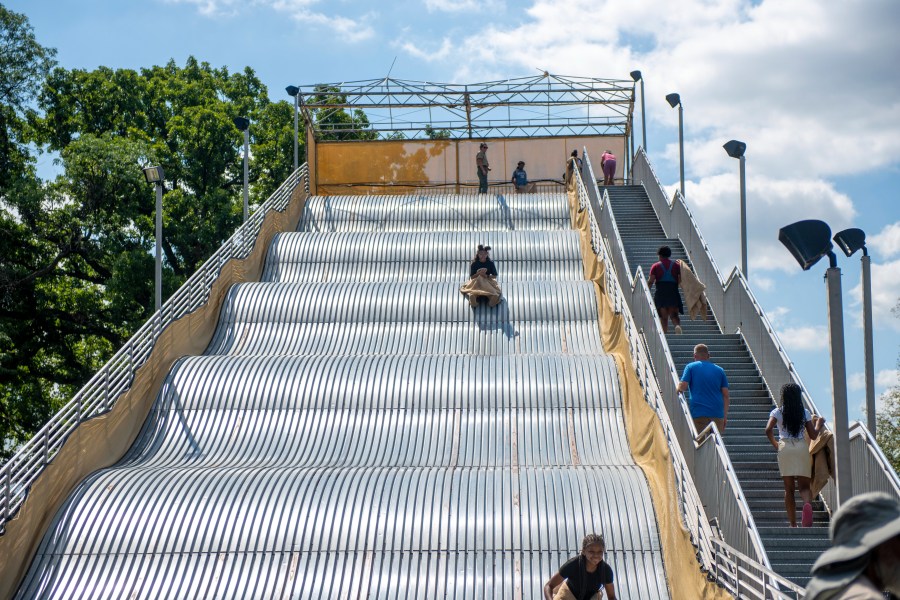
100,393
709,449
737,310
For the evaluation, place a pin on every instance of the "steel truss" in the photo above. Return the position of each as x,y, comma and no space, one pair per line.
545,105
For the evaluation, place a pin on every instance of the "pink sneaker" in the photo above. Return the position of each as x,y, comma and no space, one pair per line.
807,519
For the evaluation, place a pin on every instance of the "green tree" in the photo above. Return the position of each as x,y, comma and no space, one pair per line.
334,121
887,420
76,264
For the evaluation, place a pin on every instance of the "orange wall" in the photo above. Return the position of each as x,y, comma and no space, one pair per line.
346,167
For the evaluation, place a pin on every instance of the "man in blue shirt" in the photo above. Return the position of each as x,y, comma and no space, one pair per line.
520,180
709,390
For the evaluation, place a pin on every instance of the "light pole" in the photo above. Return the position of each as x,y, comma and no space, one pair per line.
736,149
636,76
675,100
243,124
157,176
808,241
294,91
851,240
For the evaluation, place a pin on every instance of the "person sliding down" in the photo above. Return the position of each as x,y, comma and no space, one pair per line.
482,283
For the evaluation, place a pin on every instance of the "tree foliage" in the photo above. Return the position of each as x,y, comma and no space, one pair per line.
887,420
76,253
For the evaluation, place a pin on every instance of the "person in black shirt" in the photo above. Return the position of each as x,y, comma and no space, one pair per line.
583,575
482,279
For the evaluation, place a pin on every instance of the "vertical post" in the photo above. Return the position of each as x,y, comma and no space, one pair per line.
296,131
246,174
681,143
743,220
867,342
159,195
643,117
842,475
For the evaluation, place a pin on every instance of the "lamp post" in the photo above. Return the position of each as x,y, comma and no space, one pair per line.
243,124
736,149
675,100
851,240
157,176
808,241
294,91
636,76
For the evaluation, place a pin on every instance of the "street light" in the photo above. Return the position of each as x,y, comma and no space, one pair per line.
294,91
736,149
808,241
636,76
243,124
157,176
675,100
851,240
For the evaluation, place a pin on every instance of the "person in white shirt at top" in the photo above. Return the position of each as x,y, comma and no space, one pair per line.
794,460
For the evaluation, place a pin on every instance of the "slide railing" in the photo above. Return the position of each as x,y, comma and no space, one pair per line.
113,379
709,492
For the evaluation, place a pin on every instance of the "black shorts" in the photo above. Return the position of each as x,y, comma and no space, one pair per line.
668,296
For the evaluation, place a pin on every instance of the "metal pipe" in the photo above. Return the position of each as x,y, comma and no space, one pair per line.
743,218
867,341
643,117
159,195
681,143
246,174
842,476
296,131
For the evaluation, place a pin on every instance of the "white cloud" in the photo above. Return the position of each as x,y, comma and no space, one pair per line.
770,74
803,338
887,241
351,30
777,314
885,294
458,6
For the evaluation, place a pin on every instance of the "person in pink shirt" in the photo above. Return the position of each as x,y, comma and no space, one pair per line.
608,165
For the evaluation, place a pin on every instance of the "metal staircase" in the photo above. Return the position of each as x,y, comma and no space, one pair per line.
790,551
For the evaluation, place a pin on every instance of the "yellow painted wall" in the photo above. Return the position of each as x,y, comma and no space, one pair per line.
397,166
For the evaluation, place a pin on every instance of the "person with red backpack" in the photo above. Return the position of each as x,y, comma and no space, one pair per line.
666,274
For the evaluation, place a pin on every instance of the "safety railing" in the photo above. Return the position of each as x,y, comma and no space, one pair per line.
707,485
737,310
114,379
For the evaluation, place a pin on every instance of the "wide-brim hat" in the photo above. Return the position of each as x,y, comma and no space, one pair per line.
863,523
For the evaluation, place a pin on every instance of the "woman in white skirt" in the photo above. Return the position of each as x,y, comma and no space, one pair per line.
794,460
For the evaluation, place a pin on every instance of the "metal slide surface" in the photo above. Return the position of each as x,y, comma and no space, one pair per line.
355,430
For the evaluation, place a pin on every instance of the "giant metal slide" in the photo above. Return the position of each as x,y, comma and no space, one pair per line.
356,430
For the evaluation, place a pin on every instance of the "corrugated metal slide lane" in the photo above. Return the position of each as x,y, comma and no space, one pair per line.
356,430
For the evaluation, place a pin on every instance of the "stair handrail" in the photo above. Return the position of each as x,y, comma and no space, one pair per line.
691,505
737,310
736,521
99,394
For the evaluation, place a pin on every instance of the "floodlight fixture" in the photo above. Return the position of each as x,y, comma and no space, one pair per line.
242,123
675,100
808,241
154,175
636,76
735,149
851,240
294,92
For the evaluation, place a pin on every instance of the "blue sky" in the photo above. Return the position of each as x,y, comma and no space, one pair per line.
809,85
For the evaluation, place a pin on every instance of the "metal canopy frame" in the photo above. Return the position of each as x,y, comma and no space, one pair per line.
545,105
